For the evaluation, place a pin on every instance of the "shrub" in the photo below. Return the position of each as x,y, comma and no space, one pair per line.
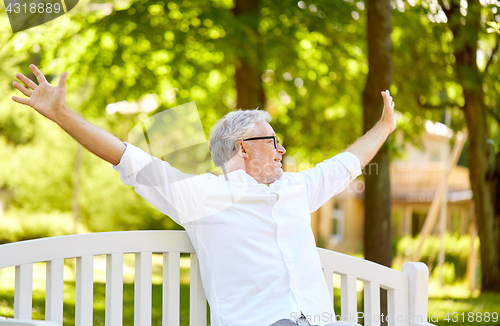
448,273
457,249
18,225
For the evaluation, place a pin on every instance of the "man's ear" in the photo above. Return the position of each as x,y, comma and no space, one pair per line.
241,149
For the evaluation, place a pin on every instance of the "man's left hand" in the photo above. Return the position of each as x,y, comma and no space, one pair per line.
389,119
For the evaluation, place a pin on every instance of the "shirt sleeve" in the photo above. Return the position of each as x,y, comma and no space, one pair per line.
171,191
329,178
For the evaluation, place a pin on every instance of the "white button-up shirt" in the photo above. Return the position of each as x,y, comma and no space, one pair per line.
257,255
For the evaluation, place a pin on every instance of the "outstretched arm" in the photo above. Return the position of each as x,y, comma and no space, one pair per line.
49,102
369,144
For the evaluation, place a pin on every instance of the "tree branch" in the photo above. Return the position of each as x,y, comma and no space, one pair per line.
442,106
495,115
495,49
446,11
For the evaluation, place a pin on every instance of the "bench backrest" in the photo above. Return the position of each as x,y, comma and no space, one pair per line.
407,290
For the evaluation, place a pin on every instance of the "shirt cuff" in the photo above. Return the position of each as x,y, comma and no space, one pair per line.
351,163
131,160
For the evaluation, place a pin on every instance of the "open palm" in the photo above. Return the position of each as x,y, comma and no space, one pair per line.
388,115
44,98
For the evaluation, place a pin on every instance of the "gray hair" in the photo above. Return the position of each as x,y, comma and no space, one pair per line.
234,126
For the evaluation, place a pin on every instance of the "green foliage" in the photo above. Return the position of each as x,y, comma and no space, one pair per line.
181,51
313,63
315,73
18,226
449,276
457,250
41,176
425,65
187,51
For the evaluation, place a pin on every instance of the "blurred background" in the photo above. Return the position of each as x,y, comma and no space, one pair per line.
431,194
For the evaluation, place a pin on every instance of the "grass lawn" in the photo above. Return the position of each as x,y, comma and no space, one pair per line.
38,311
7,302
455,305
437,306
466,311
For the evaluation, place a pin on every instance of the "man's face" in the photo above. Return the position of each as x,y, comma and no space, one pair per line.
263,162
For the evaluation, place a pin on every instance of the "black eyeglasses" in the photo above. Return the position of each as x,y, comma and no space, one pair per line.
276,140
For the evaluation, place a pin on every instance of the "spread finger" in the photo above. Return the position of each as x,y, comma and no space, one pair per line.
38,74
22,89
20,100
28,82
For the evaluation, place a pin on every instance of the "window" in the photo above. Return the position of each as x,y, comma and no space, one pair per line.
435,156
338,222
417,222
456,222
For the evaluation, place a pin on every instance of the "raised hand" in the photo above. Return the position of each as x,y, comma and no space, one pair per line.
388,117
44,98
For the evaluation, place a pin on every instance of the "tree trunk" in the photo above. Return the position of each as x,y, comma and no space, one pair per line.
470,78
76,188
494,180
247,77
377,232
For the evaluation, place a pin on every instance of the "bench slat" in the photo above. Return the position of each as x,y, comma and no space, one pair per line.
372,304
348,304
54,291
114,290
23,292
328,273
84,303
198,301
142,288
171,288
397,308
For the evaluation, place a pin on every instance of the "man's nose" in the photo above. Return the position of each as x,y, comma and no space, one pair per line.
281,149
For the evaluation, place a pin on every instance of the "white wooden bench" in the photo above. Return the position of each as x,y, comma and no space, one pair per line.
407,290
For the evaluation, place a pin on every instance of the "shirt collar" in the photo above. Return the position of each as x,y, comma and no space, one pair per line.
239,176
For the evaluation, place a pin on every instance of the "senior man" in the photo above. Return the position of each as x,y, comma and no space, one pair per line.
250,227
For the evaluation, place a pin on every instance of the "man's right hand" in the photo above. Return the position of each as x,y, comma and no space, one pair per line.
49,102
44,98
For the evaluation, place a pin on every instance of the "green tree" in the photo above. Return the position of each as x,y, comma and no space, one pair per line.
445,39
310,63
248,69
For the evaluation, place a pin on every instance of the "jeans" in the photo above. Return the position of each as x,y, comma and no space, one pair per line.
302,321
284,322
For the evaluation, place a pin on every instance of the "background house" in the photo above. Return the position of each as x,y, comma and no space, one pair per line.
338,225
